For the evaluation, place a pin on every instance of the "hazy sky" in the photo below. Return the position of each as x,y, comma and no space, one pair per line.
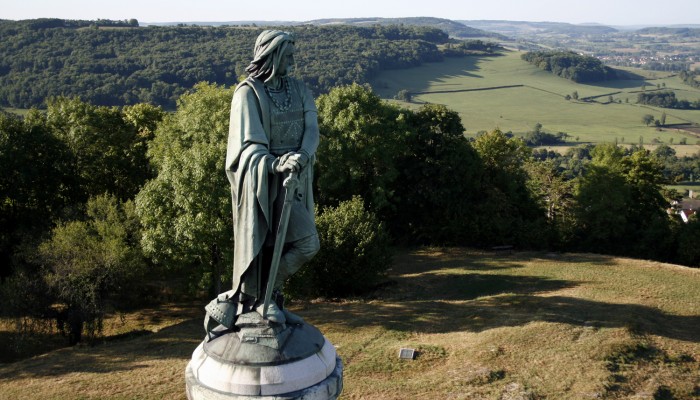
612,12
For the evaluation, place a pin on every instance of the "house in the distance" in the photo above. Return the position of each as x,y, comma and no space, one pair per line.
687,207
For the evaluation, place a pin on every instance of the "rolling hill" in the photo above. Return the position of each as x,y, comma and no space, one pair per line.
485,324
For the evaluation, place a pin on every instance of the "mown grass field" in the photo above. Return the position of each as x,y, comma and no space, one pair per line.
18,111
486,326
539,98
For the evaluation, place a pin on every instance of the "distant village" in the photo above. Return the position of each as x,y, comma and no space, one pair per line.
674,62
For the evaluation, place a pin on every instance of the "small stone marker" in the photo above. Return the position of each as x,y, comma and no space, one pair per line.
407,354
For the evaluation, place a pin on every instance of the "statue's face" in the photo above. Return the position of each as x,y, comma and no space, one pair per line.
287,60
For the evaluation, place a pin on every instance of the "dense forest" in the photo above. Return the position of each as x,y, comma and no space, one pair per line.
120,64
570,65
142,194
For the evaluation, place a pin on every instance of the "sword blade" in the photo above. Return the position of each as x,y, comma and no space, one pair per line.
290,185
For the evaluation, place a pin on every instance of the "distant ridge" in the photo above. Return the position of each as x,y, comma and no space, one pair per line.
223,23
680,31
455,29
518,28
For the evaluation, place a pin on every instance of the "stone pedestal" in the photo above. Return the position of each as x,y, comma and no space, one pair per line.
263,360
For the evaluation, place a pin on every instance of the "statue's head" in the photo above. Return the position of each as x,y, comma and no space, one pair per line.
273,55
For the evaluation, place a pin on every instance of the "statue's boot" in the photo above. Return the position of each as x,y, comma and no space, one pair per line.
274,313
292,318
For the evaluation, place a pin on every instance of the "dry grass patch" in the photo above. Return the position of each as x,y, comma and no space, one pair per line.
486,326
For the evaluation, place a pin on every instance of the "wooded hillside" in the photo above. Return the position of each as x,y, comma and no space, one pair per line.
117,64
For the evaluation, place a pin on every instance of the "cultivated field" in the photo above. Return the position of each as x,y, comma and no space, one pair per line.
486,326
521,95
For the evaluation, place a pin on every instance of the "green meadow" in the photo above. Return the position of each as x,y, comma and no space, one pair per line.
514,95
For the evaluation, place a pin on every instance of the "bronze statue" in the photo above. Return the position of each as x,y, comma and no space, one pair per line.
254,347
273,137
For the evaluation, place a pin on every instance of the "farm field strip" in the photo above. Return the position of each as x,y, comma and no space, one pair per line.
536,96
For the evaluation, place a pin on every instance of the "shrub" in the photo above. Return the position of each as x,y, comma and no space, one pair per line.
92,260
354,253
688,252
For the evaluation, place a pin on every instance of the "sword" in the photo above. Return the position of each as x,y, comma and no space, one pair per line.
290,185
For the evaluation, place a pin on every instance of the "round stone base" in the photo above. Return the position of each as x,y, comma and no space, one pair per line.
263,360
328,389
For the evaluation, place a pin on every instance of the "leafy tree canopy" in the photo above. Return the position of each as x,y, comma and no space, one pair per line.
186,209
570,65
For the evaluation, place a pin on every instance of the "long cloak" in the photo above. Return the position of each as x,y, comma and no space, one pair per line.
253,188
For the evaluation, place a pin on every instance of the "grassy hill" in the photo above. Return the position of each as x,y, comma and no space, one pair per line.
486,326
508,93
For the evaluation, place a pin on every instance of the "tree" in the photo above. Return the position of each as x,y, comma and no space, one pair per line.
647,208
574,95
506,214
555,194
537,137
360,136
36,184
404,95
108,144
438,180
647,119
687,251
88,261
662,120
353,257
620,206
186,209
601,198
664,153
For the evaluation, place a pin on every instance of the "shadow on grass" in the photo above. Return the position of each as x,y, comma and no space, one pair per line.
14,347
428,297
434,260
429,286
510,311
177,341
451,68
